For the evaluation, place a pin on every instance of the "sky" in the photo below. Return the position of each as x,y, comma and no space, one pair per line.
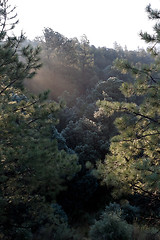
102,21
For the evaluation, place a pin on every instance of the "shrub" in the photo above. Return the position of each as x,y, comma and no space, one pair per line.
111,227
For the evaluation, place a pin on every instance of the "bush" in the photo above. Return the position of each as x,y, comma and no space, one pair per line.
126,212
111,227
54,226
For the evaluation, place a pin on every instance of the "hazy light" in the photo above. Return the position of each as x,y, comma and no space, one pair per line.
103,21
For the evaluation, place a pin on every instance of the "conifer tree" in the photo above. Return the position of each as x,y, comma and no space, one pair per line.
32,169
133,163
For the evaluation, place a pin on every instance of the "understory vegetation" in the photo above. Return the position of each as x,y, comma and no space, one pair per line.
79,136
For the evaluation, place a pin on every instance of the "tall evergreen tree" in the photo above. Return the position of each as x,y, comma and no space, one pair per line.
133,163
33,170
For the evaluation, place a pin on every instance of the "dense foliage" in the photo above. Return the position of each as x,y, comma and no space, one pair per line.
132,167
67,154
33,170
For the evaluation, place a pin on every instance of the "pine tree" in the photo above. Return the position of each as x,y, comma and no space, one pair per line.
33,170
132,166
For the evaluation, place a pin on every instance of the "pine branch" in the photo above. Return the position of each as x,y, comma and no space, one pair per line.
152,14
27,106
139,114
137,137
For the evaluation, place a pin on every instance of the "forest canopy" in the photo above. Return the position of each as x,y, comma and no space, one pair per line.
79,136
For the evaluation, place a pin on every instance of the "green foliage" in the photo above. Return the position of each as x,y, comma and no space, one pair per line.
111,227
38,160
126,211
55,226
133,164
153,13
33,170
61,141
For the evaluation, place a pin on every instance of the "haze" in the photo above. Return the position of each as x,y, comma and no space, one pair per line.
103,21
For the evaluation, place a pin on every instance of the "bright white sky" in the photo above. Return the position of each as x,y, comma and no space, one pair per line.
103,21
